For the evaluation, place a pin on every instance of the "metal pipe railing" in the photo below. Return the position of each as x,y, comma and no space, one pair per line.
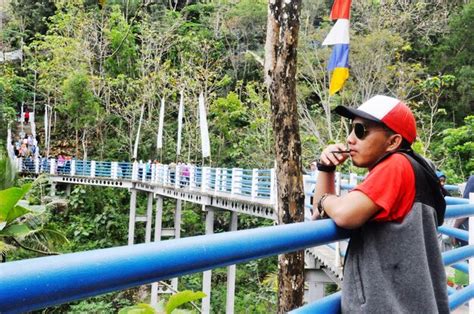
40,282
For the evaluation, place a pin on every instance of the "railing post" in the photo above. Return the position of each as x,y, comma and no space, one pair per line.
20,164
177,176
192,177
471,260
114,170
207,275
353,179
153,172
72,171
231,270
132,215
338,183
93,166
135,171
273,186
337,251
157,237
205,178
162,174
254,183
233,187
143,167
37,165
52,166
218,180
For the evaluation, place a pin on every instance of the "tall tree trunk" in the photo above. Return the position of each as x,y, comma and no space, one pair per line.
280,76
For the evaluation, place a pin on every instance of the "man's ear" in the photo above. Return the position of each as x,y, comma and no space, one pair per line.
394,142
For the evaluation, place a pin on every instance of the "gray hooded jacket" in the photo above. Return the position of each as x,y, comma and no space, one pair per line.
396,267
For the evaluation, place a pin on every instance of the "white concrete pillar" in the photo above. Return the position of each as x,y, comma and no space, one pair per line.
114,170
73,168
157,237
37,165
337,251
207,275
149,217
353,179
192,177
135,171
153,173
218,180
471,260
93,166
133,212
231,270
177,177
177,233
52,166
52,191
273,186
254,183
205,178
235,186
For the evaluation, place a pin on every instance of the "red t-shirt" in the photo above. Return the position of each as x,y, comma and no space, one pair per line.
390,185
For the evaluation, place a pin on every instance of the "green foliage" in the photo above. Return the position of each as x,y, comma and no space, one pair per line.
7,172
81,103
9,210
122,44
171,306
181,298
454,56
29,19
141,308
458,146
21,225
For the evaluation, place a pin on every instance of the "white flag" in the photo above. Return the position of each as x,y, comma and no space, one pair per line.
135,148
159,139
45,124
180,123
205,145
339,33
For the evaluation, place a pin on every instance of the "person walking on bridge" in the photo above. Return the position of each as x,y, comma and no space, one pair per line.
393,262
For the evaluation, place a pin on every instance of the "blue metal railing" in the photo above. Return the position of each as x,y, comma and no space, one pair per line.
36,283
40,282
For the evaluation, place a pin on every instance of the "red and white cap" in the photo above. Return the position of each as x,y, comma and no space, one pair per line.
387,110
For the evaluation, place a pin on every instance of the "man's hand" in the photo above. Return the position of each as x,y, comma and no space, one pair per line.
330,156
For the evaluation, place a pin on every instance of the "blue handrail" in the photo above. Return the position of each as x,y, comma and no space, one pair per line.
40,282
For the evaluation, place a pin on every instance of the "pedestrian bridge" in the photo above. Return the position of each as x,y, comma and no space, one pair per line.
53,280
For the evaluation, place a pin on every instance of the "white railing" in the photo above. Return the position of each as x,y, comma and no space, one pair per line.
253,184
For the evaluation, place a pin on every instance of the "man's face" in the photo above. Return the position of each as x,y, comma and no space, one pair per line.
368,141
313,166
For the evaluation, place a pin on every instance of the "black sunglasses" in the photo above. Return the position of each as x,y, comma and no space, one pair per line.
360,130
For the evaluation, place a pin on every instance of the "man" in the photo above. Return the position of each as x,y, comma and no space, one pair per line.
393,264
442,182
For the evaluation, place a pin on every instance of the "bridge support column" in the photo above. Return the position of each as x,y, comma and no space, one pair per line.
149,218
68,189
471,260
317,280
207,275
229,306
131,219
177,233
52,191
157,237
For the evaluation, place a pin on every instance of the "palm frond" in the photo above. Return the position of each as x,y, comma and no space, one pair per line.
8,172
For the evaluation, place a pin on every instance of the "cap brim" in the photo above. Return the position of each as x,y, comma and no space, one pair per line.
351,113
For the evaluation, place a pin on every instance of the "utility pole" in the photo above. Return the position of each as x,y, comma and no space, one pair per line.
280,76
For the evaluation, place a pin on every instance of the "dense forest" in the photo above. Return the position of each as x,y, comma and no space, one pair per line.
97,66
